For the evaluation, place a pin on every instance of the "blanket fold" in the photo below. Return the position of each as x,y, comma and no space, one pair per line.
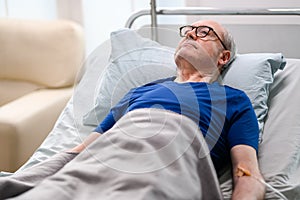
148,154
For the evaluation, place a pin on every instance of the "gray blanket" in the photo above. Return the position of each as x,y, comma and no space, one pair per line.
148,154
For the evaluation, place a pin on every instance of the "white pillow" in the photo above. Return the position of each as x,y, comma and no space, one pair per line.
136,61
254,73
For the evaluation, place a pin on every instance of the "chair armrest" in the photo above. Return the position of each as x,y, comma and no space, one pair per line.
25,122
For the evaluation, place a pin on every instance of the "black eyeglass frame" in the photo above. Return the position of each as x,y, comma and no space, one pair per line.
197,27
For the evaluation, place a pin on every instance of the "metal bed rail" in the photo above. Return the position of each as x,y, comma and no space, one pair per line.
153,12
206,11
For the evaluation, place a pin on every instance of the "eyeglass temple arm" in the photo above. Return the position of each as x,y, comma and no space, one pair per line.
220,40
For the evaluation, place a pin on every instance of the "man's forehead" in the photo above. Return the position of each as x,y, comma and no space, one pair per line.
215,25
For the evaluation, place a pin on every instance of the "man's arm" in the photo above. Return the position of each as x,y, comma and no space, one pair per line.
246,174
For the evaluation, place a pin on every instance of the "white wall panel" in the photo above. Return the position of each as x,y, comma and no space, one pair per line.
32,9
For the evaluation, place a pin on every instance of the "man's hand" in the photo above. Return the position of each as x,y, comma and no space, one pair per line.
91,138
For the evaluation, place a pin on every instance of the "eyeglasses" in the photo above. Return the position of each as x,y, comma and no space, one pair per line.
202,32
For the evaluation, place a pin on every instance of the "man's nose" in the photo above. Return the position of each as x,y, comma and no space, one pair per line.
192,35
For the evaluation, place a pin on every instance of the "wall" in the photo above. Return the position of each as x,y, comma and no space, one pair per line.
99,18
102,18
29,9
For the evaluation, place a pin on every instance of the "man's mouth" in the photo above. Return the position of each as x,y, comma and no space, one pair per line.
189,44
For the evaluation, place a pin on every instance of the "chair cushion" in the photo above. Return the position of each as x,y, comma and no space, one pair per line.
48,53
11,90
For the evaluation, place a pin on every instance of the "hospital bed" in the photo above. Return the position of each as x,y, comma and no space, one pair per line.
267,68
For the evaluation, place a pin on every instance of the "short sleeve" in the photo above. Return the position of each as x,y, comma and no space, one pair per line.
244,125
115,113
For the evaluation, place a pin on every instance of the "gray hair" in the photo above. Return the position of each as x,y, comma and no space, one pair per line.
231,46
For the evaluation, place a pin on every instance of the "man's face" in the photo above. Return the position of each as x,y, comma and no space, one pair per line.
202,53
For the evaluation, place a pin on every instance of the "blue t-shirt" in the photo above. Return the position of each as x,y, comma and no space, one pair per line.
225,115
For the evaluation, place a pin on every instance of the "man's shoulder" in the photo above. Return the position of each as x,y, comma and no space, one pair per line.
233,90
235,93
228,89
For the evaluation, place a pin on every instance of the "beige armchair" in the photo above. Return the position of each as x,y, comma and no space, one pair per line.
39,61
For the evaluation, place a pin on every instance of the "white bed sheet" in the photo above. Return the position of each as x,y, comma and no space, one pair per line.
280,150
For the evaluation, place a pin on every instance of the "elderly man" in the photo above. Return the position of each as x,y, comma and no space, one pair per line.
205,49
200,57
223,114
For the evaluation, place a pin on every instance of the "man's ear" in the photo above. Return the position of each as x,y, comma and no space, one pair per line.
224,57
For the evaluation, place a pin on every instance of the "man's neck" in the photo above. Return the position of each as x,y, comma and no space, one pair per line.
194,76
